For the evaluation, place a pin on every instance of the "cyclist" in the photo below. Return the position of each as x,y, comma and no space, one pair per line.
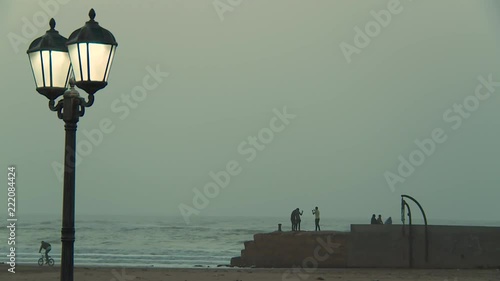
47,247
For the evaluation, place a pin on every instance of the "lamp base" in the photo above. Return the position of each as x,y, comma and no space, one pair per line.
51,93
91,87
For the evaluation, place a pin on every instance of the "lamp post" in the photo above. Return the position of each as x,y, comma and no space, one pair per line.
88,54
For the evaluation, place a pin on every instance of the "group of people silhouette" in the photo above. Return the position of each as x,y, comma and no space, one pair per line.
296,213
295,218
378,220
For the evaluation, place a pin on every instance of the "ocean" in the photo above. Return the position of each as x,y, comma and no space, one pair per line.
153,241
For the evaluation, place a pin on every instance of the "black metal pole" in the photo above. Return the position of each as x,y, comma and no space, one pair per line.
403,214
70,115
410,236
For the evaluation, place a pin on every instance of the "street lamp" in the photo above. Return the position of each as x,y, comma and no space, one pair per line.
88,54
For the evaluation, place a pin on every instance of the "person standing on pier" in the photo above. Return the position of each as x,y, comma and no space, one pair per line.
298,213
316,219
293,220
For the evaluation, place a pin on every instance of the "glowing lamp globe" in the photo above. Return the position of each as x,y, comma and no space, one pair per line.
50,63
91,51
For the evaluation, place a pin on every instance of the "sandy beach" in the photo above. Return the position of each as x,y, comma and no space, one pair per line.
32,273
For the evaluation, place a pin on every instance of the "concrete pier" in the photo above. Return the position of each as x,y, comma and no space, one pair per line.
376,246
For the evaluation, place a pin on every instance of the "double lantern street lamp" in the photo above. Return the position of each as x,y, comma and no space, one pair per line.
83,60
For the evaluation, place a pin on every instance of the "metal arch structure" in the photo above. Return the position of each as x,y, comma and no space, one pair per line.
403,205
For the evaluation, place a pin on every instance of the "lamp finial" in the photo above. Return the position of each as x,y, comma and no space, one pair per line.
92,14
52,23
72,82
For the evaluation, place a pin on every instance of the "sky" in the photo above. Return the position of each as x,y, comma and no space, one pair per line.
344,105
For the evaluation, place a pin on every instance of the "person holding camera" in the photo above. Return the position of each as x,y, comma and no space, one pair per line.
316,218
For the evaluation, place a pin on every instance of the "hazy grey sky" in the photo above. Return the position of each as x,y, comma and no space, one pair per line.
231,65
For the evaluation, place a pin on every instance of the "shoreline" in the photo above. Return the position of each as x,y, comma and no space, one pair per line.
111,265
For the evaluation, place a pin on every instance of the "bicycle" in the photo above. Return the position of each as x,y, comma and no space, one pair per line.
50,260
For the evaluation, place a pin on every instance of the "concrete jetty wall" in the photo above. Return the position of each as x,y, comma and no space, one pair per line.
286,249
448,246
382,246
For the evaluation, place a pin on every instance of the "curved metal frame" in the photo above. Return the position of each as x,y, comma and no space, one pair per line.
403,204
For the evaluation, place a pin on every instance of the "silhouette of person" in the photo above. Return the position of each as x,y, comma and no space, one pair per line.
316,219
294,222
388,220
298,213
47,247
374,219
379,219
